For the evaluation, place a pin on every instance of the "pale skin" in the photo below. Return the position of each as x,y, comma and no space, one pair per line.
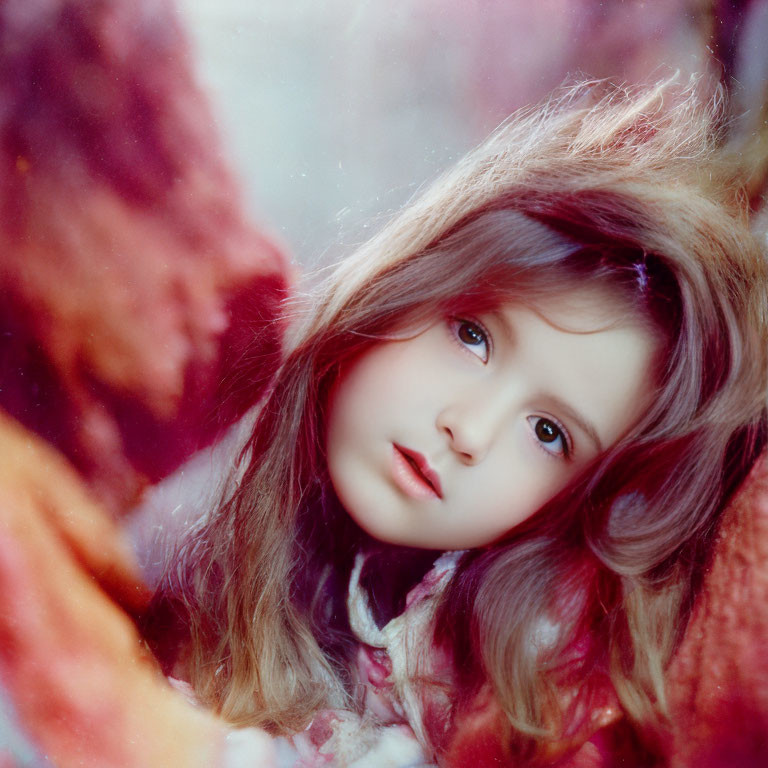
452,436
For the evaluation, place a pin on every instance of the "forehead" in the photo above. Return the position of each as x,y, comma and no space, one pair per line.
581,285
583,310
587,353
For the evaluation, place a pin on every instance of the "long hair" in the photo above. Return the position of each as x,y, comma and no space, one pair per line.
602,185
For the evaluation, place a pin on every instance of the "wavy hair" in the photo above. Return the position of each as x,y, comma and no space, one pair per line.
619,188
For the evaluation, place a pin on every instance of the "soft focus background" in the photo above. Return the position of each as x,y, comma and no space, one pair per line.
335,112
161,166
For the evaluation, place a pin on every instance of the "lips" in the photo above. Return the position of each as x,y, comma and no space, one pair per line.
414,475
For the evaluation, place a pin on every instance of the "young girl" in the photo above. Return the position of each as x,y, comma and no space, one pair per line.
552,366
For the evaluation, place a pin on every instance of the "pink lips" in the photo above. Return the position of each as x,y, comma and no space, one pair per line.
413,475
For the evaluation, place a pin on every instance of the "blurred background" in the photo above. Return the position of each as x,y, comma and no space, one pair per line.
166,168
336,112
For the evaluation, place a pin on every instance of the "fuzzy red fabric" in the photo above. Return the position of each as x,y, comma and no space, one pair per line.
718,682
131,283
130,276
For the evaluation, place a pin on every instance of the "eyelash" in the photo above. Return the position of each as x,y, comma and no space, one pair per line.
456,324
562,434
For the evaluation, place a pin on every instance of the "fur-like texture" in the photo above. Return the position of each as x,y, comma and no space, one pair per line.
718,681
131,279
131,283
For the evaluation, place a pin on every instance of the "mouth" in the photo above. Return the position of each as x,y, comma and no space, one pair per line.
414,475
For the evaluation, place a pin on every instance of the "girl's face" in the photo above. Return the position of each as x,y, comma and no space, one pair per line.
450,438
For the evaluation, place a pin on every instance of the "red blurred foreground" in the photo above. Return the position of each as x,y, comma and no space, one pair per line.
131,281
125,249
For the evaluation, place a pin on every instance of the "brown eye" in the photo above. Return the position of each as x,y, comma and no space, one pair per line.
472,336
546,431
552,437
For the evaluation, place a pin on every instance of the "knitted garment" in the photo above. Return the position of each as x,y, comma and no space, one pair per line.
390,659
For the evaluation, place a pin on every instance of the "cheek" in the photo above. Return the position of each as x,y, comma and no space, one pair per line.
342,441
341,416
355,404
515,485
379,386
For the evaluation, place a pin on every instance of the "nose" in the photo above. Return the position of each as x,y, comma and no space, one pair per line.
472,423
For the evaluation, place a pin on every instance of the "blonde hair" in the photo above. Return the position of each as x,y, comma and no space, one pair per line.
602,184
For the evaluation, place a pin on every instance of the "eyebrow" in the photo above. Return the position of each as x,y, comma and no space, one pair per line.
584,424
560,405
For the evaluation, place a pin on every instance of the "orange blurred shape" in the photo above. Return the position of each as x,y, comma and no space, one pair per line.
82,686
